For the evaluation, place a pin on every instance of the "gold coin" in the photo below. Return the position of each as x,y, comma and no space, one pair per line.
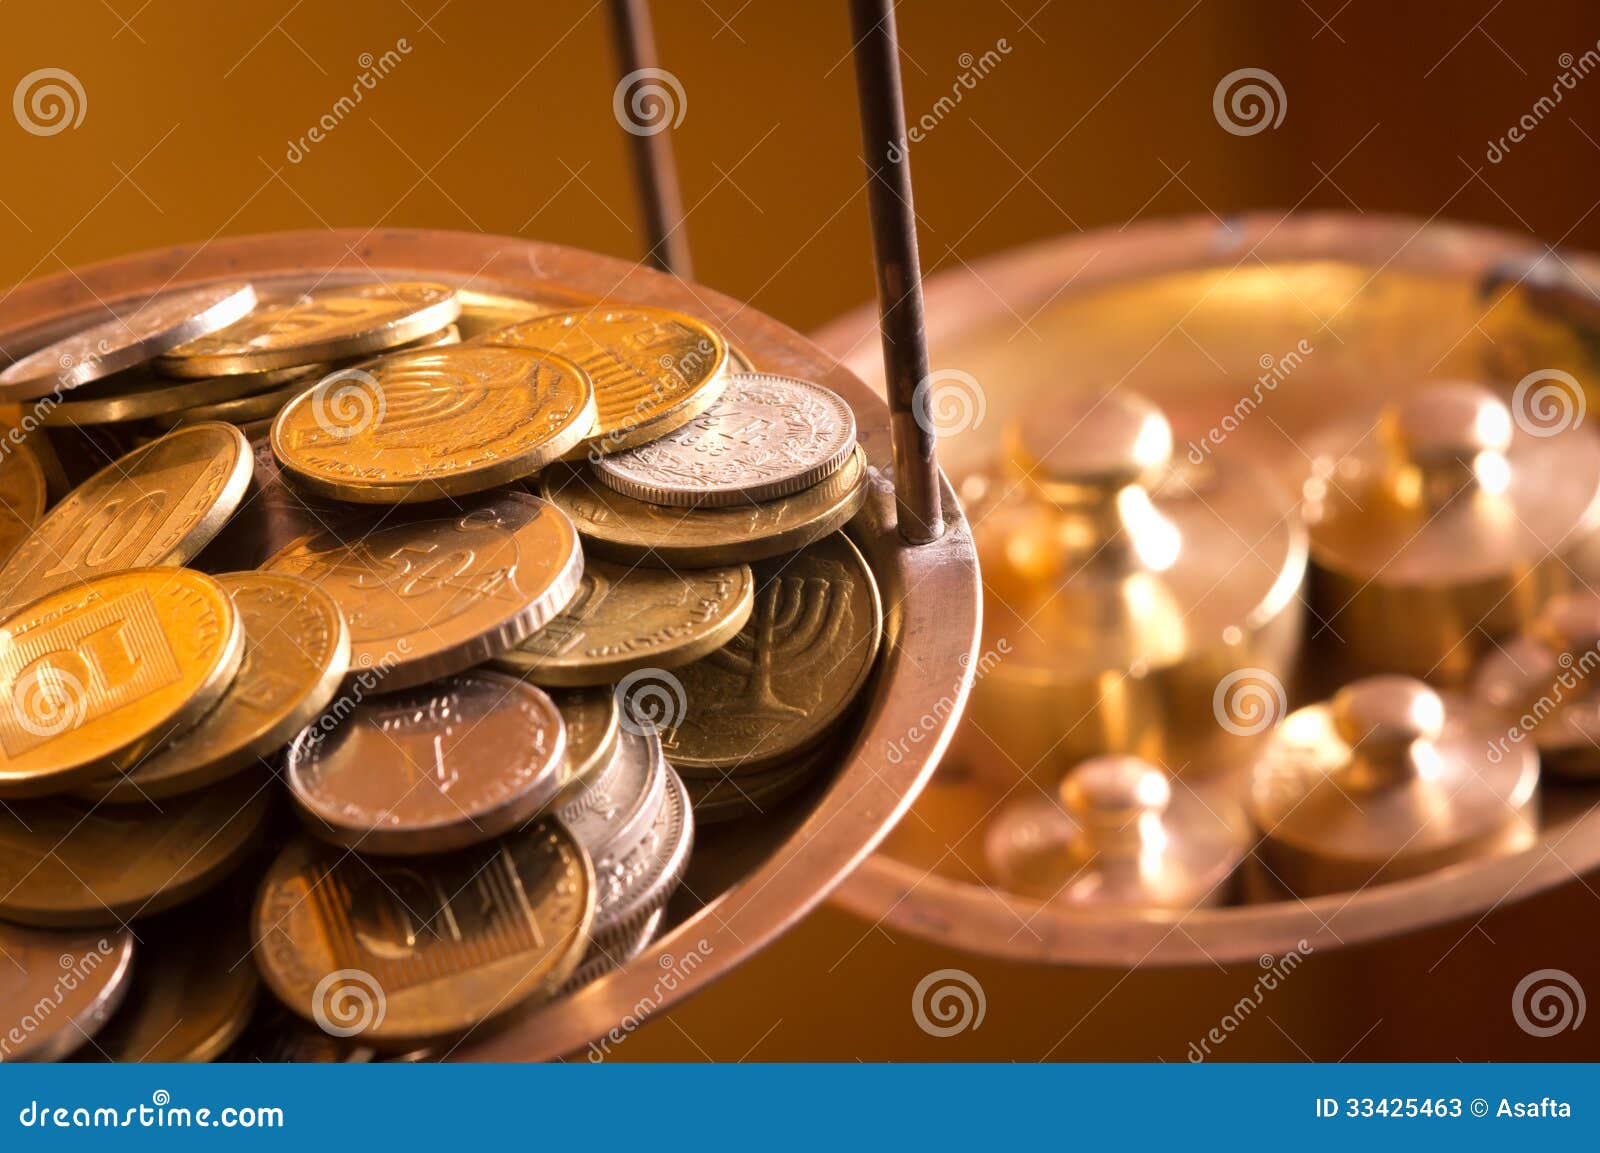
423,425
779,686
296,652
397,953
95,675
22,491
157,505
141,395
193,992
592,722
653,370
321,326
248,409
632,531
66,863
434,597
484,312
624,619
453,763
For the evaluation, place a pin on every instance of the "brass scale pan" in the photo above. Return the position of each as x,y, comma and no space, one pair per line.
757,885
1403,297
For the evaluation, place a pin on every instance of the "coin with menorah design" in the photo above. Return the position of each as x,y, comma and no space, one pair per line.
444,766
58,989
591,720
322,326
393,953
68,863
22,493
653,369
157,505
434,596
630,531
96,675
779,686
766,436
418,426
625,618
297,649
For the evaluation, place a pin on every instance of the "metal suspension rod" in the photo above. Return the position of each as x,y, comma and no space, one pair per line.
655,174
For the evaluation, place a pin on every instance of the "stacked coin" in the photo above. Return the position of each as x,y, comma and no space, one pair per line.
503,618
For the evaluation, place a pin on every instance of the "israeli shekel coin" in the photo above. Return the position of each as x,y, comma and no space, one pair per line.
141,395
418,426
636,880
653,370
766,436
779,686
141,333
22,492
630,531
159,504
81,978
319,327
95,675
448,765
590,718
66,863
434,597
193,991
397,953
247,409
296,652
624,619
616,809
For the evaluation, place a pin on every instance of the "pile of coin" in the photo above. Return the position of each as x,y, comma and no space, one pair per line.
391,657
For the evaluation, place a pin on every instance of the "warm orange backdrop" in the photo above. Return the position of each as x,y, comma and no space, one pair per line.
499,119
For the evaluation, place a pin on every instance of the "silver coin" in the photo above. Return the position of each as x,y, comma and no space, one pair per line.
618,809
635,880
765,437
441,767
428,598
155,327
58,988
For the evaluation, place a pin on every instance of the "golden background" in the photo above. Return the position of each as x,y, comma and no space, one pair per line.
498,119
